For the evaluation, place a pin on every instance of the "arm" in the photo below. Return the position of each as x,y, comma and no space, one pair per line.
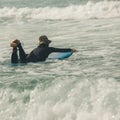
60,49
14,56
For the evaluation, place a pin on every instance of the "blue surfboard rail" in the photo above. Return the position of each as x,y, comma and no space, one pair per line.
60,55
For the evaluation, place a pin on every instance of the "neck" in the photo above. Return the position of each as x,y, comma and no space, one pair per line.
44,45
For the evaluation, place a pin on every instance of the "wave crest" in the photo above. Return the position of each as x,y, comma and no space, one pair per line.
97,10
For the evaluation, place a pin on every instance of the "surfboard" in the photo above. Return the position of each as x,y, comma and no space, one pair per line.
60,55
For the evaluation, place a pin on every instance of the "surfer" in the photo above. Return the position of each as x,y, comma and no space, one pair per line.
40,53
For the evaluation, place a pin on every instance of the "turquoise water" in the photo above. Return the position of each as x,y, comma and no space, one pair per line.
83,87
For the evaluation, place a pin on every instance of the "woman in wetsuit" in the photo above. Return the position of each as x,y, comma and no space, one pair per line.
36,55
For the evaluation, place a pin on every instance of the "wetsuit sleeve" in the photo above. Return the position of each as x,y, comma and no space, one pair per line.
22,54
14,56
52,49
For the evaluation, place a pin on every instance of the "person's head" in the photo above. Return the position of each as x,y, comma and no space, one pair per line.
44,40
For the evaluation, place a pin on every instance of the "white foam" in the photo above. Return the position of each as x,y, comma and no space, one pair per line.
103,9
68,101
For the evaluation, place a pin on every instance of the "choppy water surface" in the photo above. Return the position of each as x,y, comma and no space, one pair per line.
83,87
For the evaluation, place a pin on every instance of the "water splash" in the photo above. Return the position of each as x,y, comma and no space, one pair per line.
91,10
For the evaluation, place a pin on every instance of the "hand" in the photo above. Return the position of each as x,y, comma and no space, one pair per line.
15,43
74,50
12,44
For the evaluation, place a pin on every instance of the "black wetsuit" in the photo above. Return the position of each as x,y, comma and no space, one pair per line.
38,54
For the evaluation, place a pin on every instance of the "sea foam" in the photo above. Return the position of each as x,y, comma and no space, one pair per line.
103,9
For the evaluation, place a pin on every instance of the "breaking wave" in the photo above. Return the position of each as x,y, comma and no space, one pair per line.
91,10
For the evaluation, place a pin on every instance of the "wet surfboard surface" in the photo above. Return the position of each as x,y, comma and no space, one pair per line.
60,55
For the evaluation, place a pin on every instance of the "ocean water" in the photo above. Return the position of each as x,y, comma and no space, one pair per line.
85,86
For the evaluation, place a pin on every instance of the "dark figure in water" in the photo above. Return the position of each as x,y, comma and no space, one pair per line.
36,55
